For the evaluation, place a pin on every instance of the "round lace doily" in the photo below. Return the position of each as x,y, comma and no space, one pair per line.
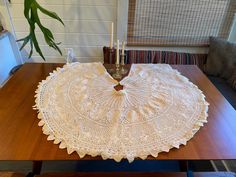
158,109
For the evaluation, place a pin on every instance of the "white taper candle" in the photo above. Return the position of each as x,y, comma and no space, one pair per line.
123,48
117,52
112,34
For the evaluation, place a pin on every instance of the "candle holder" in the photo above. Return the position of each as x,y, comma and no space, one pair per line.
123,70
111,51
117,74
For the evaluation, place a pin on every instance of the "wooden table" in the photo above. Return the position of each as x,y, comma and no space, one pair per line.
22,139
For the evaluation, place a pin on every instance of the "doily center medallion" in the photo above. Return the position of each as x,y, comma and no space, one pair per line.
156,110
118,87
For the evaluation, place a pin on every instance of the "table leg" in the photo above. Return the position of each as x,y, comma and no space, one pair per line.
36,168
184,167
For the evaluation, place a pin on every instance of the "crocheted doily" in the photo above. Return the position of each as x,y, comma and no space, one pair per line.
158,109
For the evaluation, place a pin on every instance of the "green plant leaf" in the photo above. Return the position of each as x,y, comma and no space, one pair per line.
31,49
49,13
36,45
26,40
31,8
27,6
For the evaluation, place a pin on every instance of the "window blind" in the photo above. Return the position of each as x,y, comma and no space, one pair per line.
178,22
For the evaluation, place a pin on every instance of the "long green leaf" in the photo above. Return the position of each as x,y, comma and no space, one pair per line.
33,36
31,49
36,45
26,40
27,6
45,31
49,13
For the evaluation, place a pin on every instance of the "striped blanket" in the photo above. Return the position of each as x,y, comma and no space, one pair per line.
144,56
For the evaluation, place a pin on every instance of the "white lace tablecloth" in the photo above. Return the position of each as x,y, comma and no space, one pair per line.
158,109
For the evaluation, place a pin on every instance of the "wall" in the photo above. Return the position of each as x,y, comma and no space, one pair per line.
87,27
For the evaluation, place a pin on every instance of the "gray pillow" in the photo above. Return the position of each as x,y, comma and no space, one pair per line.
221,58
232,79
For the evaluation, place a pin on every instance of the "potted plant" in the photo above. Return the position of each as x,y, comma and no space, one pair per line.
31,10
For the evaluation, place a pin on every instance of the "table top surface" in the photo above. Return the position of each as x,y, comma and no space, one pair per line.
22,139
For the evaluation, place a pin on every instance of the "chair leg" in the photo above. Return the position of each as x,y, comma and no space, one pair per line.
36,168
190,173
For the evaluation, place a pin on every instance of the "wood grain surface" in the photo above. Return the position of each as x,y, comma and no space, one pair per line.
22,139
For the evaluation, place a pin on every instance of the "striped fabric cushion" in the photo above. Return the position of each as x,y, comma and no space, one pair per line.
141,56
